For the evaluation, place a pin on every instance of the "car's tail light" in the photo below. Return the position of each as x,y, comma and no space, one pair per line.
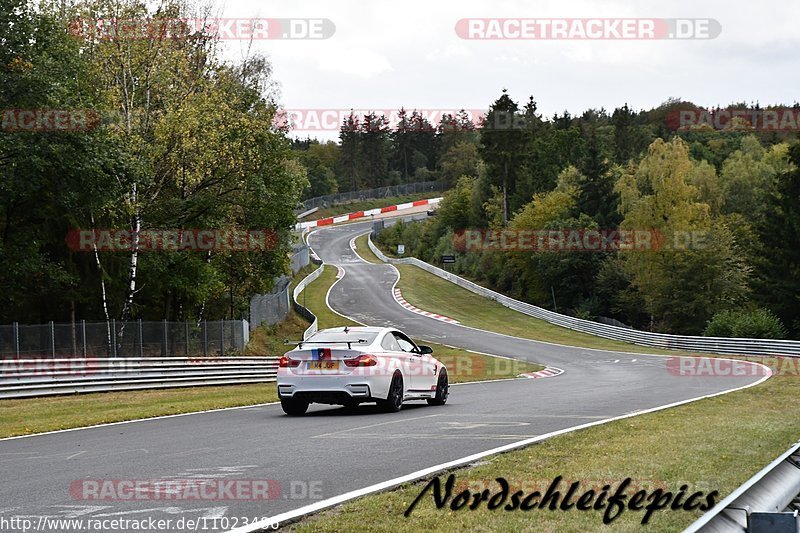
285,362
361,360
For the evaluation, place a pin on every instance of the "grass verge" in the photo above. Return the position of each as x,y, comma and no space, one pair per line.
432,293
35,415
721,441
363,249
696,444
463,366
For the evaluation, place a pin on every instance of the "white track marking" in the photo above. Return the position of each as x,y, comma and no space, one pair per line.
548,372
398,297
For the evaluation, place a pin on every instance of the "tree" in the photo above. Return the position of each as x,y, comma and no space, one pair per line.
778,271
624,134
461,159
682,286
747,179
49,181
453,129
375,149
413,144
596,197
502,142
186,142
321,178
350,162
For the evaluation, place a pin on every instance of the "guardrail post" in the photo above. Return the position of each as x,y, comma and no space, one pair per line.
165,349
186,331
222,337
205,338
83,338
141,338
52,340
113,338
16,340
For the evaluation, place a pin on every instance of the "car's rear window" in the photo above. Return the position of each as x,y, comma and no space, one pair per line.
340,336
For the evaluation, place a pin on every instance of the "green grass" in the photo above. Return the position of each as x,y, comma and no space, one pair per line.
372,203
713,444
463,365
34,415
362,247
434,294
313,298
268,340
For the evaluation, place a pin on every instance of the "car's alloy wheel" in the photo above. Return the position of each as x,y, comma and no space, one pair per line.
294,406
442,390
394,401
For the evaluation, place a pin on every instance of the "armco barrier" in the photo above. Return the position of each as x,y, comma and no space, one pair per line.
721,345
767,496
25,378
301,310
301,226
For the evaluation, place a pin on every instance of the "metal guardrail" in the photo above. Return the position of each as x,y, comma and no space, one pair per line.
757,505
302,310
26,378
721,345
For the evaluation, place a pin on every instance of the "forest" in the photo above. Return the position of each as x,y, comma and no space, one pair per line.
162,136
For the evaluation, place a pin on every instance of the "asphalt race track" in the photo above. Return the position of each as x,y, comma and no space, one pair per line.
332,451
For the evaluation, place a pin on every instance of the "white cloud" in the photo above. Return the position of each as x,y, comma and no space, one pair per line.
385,55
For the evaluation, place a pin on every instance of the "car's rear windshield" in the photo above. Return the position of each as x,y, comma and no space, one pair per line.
340,336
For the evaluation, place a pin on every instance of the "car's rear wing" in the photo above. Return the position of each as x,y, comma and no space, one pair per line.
348,343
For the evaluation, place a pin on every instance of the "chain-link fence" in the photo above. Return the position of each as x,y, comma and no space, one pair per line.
135,338
300,258
270,308
380,192
273,307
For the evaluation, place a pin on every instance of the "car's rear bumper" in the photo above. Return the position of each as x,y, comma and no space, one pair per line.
348,393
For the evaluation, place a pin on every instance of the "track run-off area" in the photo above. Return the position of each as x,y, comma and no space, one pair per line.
332,453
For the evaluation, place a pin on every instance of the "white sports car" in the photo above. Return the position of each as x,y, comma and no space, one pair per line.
352,365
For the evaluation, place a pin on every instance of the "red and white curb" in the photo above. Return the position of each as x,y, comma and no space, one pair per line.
361,214
398,296
548,372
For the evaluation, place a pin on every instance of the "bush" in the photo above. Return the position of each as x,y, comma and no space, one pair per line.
753,324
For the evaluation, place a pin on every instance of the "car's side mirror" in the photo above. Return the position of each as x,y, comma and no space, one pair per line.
425,350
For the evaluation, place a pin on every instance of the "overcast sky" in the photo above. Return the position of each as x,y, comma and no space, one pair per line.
389,54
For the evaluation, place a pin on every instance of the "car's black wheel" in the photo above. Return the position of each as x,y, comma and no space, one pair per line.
394,400
294,406
442,390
